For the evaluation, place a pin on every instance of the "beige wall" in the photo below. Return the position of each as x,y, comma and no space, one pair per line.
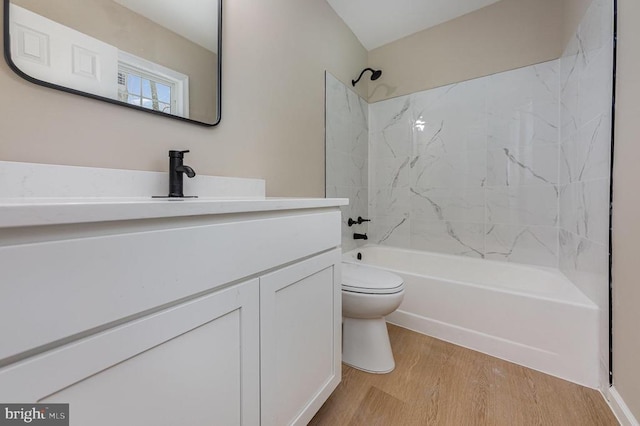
118,26
505,35
274,58
626,210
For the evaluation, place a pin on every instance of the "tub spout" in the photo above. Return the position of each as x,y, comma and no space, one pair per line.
357,236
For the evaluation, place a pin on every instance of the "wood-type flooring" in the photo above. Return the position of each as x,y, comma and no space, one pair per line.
438,383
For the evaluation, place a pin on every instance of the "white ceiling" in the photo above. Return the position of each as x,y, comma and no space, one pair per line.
195,20
378,22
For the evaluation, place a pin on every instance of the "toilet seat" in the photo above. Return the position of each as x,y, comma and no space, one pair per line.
367,280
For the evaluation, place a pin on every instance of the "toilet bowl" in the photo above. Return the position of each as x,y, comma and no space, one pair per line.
368,294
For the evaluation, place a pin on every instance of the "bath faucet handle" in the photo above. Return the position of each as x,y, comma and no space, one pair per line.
358,221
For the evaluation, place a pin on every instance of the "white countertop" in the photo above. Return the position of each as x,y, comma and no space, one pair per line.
48,194
16,212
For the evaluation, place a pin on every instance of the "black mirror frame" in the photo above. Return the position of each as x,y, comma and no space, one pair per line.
12,65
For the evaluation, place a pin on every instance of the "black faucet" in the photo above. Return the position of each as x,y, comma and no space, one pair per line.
176,170
357,236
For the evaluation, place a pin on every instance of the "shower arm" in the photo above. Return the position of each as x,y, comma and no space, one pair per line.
353,82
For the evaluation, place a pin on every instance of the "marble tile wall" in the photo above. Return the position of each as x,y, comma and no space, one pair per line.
470,168
585,155
347,152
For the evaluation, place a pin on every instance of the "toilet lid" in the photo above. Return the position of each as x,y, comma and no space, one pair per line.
364,279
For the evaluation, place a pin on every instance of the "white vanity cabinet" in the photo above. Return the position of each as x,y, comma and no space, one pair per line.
219,317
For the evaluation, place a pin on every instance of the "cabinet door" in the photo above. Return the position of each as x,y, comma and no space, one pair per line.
196,363
300,339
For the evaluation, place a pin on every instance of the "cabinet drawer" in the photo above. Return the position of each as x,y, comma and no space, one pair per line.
57,289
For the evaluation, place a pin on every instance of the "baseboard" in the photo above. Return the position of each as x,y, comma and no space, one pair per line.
619,407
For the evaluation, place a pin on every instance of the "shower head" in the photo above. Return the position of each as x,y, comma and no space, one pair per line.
375,74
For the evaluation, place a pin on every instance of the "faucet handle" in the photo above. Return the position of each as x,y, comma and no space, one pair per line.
177,154
358,221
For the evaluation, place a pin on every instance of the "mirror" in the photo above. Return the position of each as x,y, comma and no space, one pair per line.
158,56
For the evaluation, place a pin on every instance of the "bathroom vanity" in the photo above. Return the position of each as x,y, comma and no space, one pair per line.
223,309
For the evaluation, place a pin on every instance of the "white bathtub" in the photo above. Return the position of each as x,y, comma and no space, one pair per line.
528,315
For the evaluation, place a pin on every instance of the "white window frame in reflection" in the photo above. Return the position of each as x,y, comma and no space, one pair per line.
147,70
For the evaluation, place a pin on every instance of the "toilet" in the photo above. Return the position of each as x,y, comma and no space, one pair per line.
368,294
